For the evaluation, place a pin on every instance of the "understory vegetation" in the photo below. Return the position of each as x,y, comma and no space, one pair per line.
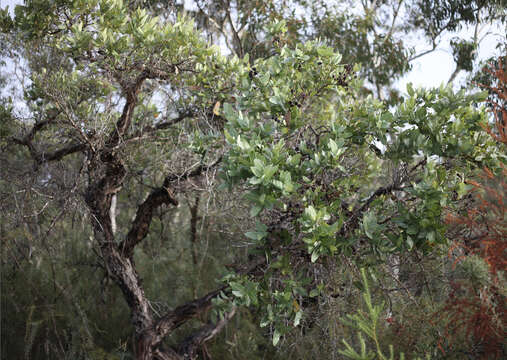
246,180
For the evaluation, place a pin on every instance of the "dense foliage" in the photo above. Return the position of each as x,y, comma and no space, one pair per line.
162,200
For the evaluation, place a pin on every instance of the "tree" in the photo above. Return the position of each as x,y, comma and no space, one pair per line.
378,35
92,109
476,309
289,130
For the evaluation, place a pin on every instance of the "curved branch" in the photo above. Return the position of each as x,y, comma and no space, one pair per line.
56,155
425,52
140,134
141,224
160,196
123,123
191,172
190,345
174,319
61,153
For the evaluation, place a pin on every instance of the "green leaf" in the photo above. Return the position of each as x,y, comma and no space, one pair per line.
229,112
370,224
255,181
294,160
315,256
278,184
288,187
243,144
285,177
410,89
297,318
413,229
463,189
325,51
255,210
258,168
277,100
314,292
410,243
311,213
479,96
237,293
276,337
269,171
333,146
431,237
255,235
243,121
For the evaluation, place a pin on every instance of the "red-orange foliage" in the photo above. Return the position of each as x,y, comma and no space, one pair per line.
498,107
481,312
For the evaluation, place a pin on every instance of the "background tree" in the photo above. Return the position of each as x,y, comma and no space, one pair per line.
380,35
111,174
475,310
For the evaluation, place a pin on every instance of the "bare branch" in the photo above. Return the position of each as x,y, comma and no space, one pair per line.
123,123
39,125
56,155
190,345
234,32
160,126
61,153
126,277
395,16
28,138
194,217
433,48
141,224
385,190
166,354
171,122
380,191
174,319
160,196
190,173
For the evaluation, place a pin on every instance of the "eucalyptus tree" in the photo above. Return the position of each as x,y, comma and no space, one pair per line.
289,130
385,37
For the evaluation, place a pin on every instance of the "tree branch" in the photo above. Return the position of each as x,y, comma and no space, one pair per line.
60,153
234,32
174,319
141,224
171,122
433,48
191,172
194,217
380,191
160,196
454,74
386,190
56,155
123,123
138,135
190,345
27,139
395,16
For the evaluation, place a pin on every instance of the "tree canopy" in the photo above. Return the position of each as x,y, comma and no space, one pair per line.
169,173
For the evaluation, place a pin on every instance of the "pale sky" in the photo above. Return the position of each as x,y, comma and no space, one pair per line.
430,70
434,68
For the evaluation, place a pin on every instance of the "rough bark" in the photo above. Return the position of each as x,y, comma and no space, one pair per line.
190,345
118,257
106,175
